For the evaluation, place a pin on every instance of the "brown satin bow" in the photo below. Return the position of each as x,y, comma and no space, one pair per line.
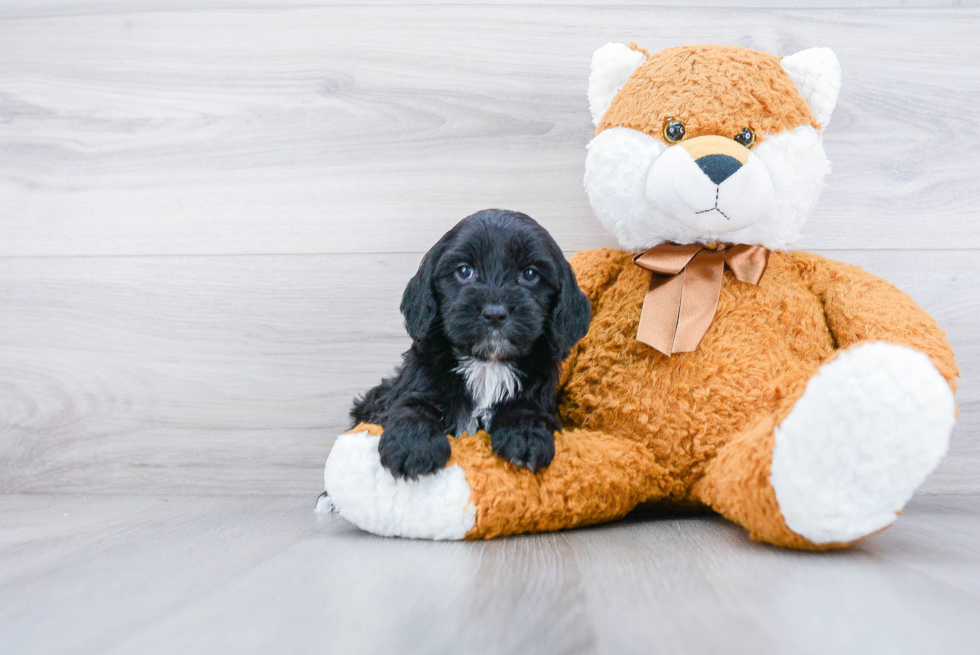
684,289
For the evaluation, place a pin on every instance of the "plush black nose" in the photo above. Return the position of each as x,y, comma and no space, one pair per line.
718,168
495,315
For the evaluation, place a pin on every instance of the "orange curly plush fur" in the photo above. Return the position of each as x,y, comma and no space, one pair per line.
644,427
807,413
716,89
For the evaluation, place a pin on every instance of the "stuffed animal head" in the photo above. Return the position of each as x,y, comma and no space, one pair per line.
707,143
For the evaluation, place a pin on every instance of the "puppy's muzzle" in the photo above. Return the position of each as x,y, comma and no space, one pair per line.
495,315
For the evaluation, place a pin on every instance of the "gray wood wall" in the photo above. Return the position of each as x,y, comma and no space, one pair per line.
208,210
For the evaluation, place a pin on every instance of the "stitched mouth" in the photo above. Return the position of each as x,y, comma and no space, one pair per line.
715,208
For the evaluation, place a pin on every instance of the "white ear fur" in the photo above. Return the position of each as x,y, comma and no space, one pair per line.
816,73
612,65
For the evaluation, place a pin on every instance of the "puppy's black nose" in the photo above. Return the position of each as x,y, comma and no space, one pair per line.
718,168
495,315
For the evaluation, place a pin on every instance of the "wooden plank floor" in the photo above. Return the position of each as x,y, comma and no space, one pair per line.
372,129
197,375
208,210
267,575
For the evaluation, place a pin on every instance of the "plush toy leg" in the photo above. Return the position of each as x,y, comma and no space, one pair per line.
841,459
593,478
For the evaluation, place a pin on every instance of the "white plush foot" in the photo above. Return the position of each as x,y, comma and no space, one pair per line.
436,506
868,429
324,505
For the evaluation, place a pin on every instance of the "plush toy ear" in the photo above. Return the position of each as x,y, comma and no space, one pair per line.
612,65
816,73
572,312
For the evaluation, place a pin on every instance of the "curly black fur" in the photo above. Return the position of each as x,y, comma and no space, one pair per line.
493,311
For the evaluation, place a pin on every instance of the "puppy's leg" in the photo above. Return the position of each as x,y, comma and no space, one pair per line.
523,434
370,407
414,442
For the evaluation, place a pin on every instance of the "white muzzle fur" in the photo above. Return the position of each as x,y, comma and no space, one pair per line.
647,193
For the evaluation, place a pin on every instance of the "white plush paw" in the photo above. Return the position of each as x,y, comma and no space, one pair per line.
324,504
868,429
436,506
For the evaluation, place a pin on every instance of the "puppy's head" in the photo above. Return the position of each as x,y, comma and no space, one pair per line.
493,286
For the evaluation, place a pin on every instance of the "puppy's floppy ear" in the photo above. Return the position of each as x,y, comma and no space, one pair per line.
419,304
572,313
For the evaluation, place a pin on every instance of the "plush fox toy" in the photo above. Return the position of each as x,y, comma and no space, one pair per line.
799,397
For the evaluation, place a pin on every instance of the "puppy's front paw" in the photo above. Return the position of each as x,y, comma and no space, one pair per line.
409,450
527,445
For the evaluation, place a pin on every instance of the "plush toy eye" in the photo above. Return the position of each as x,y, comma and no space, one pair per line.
529,275
674,131
464,272
745,137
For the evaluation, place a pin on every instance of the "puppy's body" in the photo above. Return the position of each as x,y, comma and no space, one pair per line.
489,383
475,388
492,311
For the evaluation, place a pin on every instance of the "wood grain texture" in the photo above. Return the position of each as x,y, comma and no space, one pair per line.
208,211
233,374
936,542
77,574
42,8
342,129
260,575
250,361
715,591
358,593
364,132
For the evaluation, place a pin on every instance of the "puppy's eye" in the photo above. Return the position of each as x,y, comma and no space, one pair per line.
745,137
464,272
674,131
529,276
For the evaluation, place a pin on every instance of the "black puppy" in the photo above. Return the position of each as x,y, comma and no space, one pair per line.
492,312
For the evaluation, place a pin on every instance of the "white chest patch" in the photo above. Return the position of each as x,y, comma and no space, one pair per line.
489,383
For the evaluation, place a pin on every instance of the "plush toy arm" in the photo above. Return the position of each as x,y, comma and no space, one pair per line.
594,477
862,307
595,270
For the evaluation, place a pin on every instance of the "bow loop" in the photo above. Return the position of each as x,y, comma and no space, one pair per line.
747,263
667,258
685,285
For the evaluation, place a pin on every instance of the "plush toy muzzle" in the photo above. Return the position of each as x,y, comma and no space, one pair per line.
711,184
